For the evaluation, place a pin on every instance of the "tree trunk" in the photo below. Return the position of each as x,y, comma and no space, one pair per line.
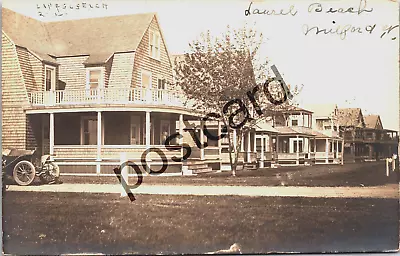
230,147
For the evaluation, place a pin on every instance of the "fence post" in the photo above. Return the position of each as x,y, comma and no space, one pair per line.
387,166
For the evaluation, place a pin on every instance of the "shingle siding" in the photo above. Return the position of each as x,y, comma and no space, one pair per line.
26,68
33,132
72,72
143,61
121,70
107,71
37,71
14,97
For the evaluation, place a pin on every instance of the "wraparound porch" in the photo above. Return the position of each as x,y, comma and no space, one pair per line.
94,141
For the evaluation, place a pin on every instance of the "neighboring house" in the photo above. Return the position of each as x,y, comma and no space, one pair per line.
298,142
329,140
380,142
292,140
365,138
89,90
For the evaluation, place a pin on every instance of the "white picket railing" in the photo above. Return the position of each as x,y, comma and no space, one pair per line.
106,96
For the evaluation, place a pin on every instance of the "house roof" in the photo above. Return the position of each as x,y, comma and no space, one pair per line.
350,117
101,36
97,59
372,121
264,126
26,32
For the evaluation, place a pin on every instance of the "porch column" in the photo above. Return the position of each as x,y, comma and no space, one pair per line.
202,156
306,147
276,155
297,150
255,143
147,124
248,146
148,129
242,144
51,131
315,145
326,151
277,144
262,151
370,152
337,149
220,140
99,132
181,132
342,162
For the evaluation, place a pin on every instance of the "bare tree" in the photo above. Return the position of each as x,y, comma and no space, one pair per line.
226,76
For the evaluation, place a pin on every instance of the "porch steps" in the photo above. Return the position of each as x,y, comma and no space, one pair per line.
198,167
250,166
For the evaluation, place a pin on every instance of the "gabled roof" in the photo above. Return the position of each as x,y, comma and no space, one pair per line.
373,122
101,36
350,117
26,32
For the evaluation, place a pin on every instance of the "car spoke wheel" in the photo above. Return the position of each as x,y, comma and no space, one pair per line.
52,172
24,173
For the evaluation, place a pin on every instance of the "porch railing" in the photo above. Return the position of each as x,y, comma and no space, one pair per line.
106,96
290,156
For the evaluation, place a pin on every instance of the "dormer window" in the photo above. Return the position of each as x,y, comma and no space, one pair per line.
50,78
94,78
154,42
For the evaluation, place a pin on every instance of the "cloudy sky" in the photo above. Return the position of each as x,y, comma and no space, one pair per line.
360,70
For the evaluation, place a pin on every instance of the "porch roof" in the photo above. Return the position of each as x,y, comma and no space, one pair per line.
295,130
263,126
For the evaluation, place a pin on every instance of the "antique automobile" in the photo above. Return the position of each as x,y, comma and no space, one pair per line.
24,165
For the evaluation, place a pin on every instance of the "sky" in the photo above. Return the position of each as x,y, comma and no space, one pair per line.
358,70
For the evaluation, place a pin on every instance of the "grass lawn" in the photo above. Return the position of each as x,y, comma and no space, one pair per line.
53,223
359,174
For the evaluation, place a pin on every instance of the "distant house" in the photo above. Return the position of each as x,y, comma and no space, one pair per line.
365,138
380,142
300,142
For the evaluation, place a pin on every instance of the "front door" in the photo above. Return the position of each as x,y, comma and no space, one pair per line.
88,130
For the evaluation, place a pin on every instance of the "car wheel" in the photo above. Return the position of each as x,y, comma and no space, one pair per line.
24,173
52,173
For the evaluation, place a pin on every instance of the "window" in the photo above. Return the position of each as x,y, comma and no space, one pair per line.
154,44
300,146
295,123
50,78
94,78
161,84
89,131
146,79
